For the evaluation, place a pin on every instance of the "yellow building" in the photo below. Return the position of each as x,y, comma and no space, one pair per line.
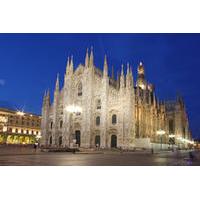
17,127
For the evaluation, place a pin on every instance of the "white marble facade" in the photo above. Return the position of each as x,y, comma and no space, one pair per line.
95,110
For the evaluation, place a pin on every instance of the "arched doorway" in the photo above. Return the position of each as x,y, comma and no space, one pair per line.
50,140
97,141
78,138
113,141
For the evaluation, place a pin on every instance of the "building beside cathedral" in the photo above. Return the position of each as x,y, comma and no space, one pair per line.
93,109
17,127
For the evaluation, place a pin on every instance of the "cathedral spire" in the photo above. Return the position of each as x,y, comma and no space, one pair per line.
131,76
44,98
122,84
128,70
48,97
45,94
57,83
122,70
87,59
141,82
154,100
91,60
128,77
105,69
71,64
118,79
67,66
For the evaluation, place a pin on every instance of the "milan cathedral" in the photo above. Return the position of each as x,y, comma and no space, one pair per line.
96,110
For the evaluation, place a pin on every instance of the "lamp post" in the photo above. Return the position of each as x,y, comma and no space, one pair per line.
160,133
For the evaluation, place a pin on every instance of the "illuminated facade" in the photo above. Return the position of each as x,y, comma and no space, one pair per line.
18,127
93,109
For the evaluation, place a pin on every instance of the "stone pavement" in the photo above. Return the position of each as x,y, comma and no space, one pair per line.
15,156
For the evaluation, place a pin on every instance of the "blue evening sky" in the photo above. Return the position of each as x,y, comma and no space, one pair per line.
29,64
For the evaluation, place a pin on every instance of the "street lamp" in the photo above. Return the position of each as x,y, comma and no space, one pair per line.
160,133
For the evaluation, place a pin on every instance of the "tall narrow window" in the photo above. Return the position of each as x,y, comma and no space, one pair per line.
51,125
114,119
50,140
98,121
61,124
80,93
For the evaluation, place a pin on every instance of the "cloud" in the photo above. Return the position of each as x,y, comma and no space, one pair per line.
2,82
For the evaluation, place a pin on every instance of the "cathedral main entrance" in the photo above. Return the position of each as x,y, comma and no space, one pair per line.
78,138
113,141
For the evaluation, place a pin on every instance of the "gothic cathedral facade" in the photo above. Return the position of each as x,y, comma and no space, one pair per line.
93,109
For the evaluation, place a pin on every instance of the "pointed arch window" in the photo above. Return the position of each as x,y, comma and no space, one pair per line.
98,121
80,89
114,119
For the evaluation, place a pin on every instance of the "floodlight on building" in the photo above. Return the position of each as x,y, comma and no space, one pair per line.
171,136
21,113
160,132
73,109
